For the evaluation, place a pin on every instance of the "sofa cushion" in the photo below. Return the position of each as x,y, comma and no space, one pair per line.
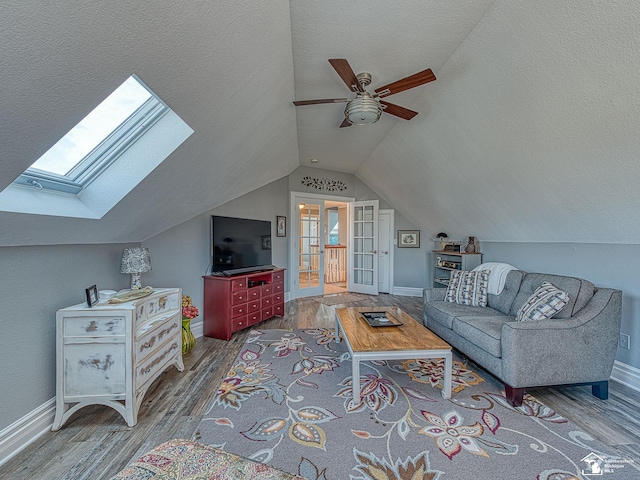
468,288
444,312
580,292
503,302
484,332
546,302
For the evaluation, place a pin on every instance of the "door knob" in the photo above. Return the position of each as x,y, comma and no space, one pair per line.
386,252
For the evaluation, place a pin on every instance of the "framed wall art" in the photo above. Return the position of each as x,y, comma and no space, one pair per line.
408,238
281,226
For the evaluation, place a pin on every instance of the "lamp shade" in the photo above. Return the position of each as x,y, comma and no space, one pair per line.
135,260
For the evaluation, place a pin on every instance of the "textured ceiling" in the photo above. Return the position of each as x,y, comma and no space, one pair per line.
530,132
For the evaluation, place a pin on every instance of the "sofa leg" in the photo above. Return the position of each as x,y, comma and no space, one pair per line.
600,390
514,395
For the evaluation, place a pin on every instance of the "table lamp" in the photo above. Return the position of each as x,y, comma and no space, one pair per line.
135,261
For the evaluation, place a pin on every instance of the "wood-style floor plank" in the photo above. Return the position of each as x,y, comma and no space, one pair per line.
96,443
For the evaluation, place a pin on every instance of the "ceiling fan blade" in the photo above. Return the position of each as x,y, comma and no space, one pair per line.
299,103
406,83
346,74
398,111
345,123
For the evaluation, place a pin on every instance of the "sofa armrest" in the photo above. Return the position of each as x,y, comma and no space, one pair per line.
433,294
558,351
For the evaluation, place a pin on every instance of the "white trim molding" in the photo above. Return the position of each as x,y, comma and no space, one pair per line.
407,291
26,430
626,375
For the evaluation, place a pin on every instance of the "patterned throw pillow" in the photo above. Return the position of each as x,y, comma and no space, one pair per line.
468,288
544,303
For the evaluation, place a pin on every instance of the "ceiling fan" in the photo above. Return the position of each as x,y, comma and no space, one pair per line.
366,108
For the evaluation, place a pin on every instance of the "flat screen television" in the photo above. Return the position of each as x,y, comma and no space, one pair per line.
240,245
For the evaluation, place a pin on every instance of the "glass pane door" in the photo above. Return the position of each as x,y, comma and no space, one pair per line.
364,239
310,248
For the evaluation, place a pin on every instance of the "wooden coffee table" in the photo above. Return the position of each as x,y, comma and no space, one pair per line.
409,340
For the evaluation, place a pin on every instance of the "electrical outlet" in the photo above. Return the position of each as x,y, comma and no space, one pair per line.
625,341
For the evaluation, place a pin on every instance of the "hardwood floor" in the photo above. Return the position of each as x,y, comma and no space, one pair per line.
96,443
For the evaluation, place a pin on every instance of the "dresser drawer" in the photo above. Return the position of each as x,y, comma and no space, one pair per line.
149,368
238,284
278,309
161,304
277,277
238,297
267,313
267,289
278,298
239,323
94,326
254,293
155,333
267,301
253,306
278,287
255,317
238,310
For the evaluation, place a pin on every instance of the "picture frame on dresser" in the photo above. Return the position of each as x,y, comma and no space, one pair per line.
92,295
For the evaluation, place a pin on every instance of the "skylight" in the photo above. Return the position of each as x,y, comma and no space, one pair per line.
97,140
93,129
102,158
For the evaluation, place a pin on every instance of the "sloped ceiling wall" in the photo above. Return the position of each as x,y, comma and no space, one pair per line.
530,133
225,67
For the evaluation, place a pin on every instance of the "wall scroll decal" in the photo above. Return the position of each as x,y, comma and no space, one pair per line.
324,184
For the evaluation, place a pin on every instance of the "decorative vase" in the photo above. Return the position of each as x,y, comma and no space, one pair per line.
188,340
471,245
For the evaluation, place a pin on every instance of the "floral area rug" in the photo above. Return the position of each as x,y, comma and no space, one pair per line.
287,402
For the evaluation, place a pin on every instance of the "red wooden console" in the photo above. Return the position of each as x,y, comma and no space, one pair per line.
235,303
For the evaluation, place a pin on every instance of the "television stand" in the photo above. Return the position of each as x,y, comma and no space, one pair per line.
233,303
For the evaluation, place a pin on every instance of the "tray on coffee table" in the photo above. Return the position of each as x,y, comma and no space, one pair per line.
380,319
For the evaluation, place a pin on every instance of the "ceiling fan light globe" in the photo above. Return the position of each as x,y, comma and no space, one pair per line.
363,110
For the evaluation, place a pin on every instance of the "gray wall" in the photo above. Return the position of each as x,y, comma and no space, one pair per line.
36,282
606,265
182,255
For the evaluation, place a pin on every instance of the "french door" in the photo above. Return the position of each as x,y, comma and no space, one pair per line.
363,247
309,247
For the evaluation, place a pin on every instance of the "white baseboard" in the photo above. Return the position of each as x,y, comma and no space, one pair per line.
626,375
21,433
197,328
407,291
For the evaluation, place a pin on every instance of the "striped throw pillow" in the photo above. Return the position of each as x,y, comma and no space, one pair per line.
468,288
543,304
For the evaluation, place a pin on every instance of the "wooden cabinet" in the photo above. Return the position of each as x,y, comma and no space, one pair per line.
111,353
452,261
235,303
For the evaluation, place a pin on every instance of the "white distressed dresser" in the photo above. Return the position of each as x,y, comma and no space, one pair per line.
111,353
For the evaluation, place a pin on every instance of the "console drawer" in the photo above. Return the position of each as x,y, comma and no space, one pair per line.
147,369
238,297
238,284
155,333
238,310
277,277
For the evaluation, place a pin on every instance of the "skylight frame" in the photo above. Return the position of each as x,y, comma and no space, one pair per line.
103,154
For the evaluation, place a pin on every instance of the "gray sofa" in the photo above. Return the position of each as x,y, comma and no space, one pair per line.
577,346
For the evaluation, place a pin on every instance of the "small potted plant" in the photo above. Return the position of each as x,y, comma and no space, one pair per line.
189,312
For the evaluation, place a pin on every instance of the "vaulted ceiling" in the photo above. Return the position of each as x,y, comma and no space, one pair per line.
531,131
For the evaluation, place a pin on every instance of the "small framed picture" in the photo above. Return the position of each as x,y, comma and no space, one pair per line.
408,238
281,226
266,242
92,295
